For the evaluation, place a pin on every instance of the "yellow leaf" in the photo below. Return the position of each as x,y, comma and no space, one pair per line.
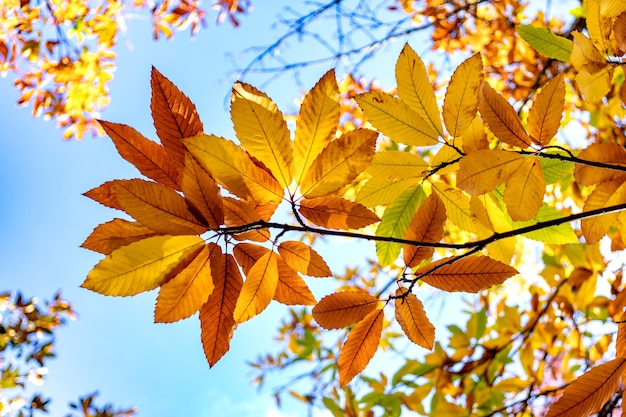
202,193
475,137
611,8
379,191
469,274
114,234
304,259
157,207
585,55
184,294
544,117
360,346
461,101
238,213
457,207
339,163
587,394
598,26
316,124
396,165
501,117
234,169
606,153
415,88
258,288
395,119
341,309
412,319
216,315
262,130
336,213
594,85
483,170
524,190
606,194
445,160
426,226
141,266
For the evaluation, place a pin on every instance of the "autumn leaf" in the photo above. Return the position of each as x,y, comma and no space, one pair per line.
303,258
475,138
546,42
501,118
458,207
469,274
605,153
461,100
587,394
258,289
239,213
141,266
341,309
114,234
360,346
426,226
620,340
216,314
412,319
262,130
524,190
202,193
544,117
105,194
336,213
605,194
380,191
483,170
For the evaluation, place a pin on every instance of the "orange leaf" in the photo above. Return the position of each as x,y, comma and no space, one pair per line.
604,195
524,190
620,341
147,156
360,346
501,118
175,116
475,137
304,259
105,195
426,226
337,213
202,193
114,234
247,254
606,153
461,101
587,394
470,274
258,288
342,309
544,117
157,207
184,294
238,213
216,315
483,170
412,318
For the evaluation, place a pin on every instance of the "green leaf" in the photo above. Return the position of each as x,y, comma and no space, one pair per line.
546,42
561,234
555,170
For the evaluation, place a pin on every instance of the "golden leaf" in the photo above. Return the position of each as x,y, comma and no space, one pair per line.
588,393
339,163
475,137
141,266
605,194
598,26
379,191
360,346
216,315
396,165
457,207
412,319
524,190
620,340
483,170
114,234
394,118
303,258
344,308
469,274
594,85
585,55
258,289
336,213
461,102
262,130
611,8
185,294
415,88
105,194
606,153
544,117
239,213
202,193
426,226
501,117
316,124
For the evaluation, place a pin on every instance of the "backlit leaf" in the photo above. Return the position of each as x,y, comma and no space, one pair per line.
546,42
185,294
426,226
141,266
620,340
544,117
585,55
336,213
339,163
394,118
611,8
461,101
157,207
594,85
588,393
360,346
412,319
469,274
475,137
379,191
341,309
395,165
105,194
303,259
483,170
607,153
316,124
239,213
457,207
258,288
415,88
114,234
605,194
598,26
501,117
262,130
524,190
202,193
247,254
216,315
559,234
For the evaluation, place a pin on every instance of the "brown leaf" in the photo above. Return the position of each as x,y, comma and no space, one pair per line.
202,193
105,195
304,259
524,190
175,116
620,341
114,234
619,29
607,153
426,226
604,195
544,117
337,213
360,346
483,170
501,118
342,309
216,315
587,394
413,321
239,213
147,156
470,274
